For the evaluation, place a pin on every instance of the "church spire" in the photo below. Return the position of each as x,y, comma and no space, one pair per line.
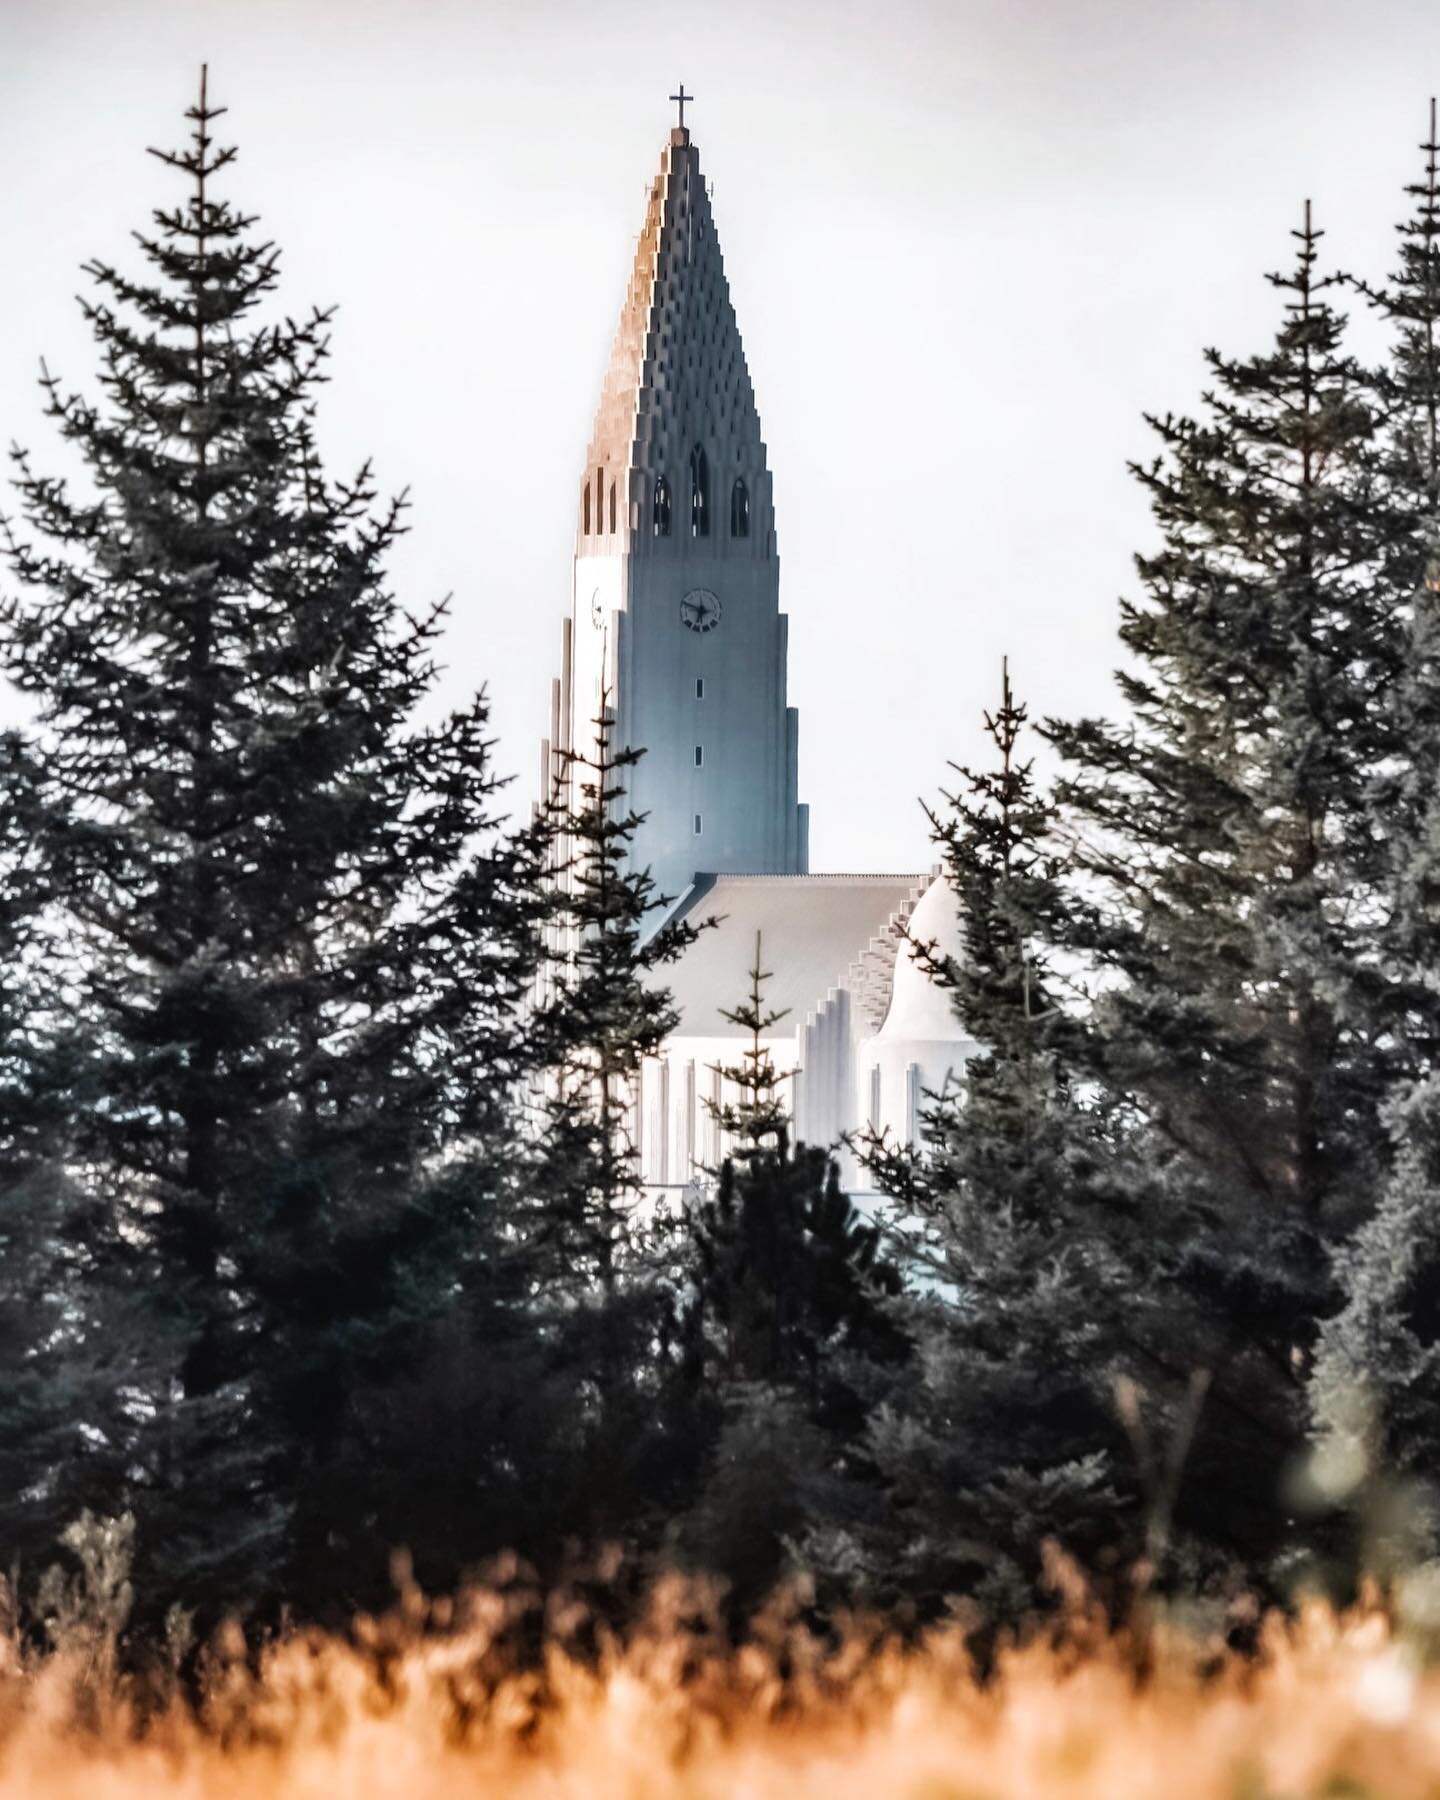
676,452
675,622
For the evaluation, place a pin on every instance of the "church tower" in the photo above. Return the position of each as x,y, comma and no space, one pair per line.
675,608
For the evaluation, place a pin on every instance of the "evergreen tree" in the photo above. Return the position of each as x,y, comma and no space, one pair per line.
1008,1136
1372,1410
1373,1388
61,1329
600,1260
785,1267
1001,1431
603,1010
296,944
1230,885
786,1317
1407,507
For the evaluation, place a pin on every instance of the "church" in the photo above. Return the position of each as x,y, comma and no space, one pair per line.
675,616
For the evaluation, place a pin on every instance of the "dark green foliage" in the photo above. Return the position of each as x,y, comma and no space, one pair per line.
1407,515
603,1306
602,1012
64,1346
786,1318
1231,888
1374,1395
294,944
1001,1430
1012,1136
785,1268
754,1123
1372,1392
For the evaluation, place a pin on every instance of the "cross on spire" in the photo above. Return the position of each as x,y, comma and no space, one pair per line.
680,100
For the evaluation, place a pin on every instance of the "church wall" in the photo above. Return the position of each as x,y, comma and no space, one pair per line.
599,601
837,1083
900,1073
739,724
681,1141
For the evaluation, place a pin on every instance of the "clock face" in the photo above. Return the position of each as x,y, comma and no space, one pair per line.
597,611
700,610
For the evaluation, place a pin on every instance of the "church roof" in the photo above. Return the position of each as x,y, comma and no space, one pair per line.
817,932
921,1010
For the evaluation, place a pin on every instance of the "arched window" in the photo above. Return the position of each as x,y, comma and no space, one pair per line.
739,509
599,500
612,505
699,493
587,509
660,510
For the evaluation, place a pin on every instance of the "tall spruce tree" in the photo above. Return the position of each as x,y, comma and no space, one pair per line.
602,1010
1373,1388
295,943
605,1306
785,1316
1003,868
785,1267
1407,508
1375,1368
1001,1431
1230,885
67,1354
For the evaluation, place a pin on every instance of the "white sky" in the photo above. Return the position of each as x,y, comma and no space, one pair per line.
967,242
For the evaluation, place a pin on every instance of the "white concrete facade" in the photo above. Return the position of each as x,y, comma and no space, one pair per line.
864,1034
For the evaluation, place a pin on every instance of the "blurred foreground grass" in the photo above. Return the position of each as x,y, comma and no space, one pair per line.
496,1694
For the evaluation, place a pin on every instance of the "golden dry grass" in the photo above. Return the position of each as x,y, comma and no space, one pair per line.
421,1705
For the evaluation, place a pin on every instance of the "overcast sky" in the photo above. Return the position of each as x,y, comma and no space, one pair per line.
968,243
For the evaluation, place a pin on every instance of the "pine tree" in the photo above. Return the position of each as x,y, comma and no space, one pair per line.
754,1122
786,1317
61,1329
1373,1388
599,1254
1376,1425
1407,504
297,945
1009,1136
603,1009
784,1264
1230,885
1001,1430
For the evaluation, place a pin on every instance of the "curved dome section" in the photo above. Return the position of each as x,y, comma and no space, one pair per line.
922,1046
920,1009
